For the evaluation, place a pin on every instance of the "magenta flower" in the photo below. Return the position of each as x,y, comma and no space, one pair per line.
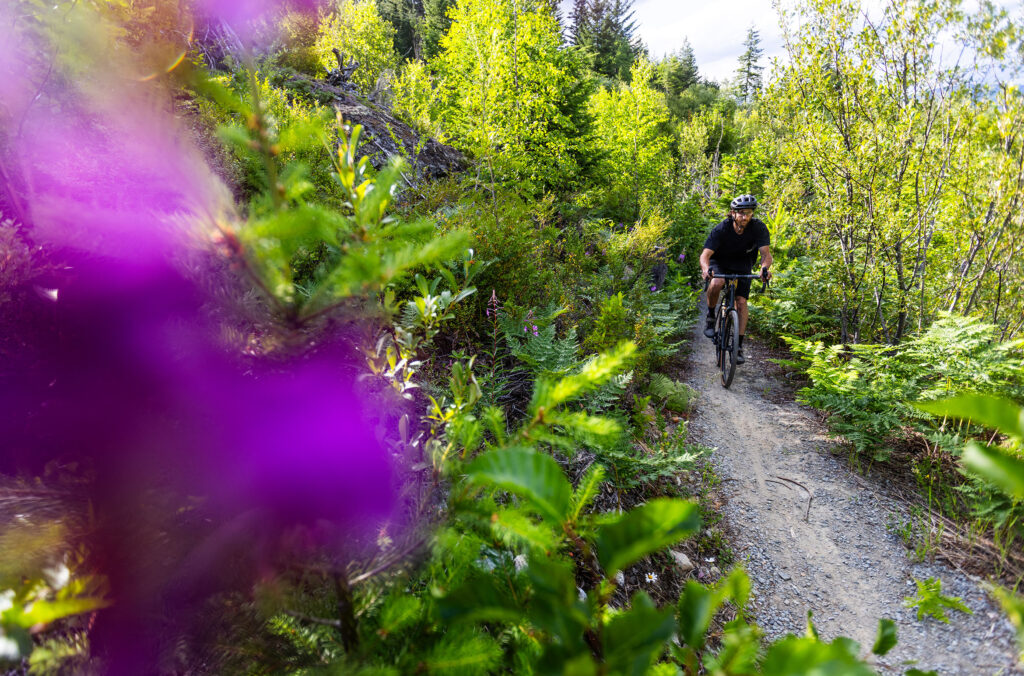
127,374
246,16
654,288
682,257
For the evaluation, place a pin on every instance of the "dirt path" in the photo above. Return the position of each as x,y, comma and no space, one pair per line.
838,560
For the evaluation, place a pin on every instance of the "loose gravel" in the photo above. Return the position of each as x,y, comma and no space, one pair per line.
840,559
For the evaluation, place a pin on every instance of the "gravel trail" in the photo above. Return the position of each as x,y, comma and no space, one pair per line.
838,559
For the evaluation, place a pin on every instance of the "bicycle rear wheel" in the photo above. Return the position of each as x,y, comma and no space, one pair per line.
728,359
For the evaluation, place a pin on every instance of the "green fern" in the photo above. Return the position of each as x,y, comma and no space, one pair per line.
930,601
675,396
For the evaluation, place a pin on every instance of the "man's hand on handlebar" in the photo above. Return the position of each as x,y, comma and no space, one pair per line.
766,275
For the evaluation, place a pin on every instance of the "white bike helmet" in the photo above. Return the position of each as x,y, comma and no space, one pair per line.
743,202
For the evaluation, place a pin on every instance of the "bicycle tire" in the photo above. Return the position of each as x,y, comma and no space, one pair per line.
718,335
729,348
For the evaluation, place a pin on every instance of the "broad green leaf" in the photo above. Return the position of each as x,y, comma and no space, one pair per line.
805,656
635,638
644,530
886,639
995,412
735,588
997,467
536,477
697,606
555,607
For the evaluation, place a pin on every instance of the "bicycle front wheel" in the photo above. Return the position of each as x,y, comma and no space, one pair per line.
728,359
719,323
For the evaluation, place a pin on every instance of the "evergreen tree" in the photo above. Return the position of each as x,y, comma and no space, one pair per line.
405,17
606,29
435,24
578,18
678,71
748,75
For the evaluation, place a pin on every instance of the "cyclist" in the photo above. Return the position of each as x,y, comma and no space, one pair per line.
732,248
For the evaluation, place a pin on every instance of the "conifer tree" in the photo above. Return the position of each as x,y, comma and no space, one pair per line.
678,71
435,24
748,75
607,30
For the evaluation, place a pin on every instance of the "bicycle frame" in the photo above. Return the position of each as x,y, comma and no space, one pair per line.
727,325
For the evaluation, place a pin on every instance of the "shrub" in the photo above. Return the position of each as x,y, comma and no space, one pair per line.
414,99
356,29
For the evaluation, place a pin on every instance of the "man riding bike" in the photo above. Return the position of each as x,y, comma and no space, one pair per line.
732,248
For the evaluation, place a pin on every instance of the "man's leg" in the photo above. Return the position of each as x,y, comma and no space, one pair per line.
714,288
741,310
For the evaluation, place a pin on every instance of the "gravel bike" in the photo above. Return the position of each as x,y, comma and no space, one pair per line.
727,322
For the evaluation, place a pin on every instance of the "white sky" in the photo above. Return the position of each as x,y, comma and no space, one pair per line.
716,29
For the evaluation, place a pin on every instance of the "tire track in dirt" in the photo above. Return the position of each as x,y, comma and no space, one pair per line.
839,559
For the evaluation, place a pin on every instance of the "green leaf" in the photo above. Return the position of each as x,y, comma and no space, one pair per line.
464,653
735,588
886,639
635,638
995,412
587,490
533,476
592,375
807,656
739,651
644,530
481,598
400,611
997,467
1013,606
555,607
697,606
518,530
44,612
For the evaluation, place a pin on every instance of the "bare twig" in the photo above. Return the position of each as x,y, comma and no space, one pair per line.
810,495
387,563
315,620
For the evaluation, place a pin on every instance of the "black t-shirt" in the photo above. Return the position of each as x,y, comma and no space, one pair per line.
737,252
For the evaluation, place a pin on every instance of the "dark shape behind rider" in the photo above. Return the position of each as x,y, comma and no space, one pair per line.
731,249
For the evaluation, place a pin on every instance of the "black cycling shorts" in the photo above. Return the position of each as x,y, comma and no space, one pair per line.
742,285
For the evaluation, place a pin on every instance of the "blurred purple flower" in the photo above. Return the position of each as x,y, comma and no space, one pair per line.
245,16
654,288
133,381
15,55
682,257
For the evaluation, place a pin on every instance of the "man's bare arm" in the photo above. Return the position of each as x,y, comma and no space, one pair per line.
766,259
705,261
